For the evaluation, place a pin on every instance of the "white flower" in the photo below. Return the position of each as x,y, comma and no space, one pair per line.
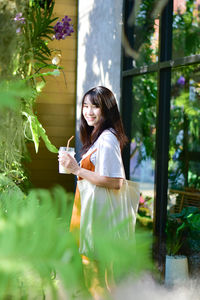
56,59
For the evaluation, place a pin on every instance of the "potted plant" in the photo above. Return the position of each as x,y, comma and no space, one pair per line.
182,240
192,240
176,266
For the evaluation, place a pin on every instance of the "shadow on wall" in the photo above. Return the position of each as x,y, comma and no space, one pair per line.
103,46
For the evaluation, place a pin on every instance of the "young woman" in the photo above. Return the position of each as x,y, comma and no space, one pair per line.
101,128
100,124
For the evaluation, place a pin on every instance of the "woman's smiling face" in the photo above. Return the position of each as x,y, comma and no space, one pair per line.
91,112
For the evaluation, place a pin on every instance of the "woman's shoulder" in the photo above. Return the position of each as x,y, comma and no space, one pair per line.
109,136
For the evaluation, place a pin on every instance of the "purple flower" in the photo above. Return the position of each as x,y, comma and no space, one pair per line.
18,18
58,27
63,29
58,36
66,20
181,81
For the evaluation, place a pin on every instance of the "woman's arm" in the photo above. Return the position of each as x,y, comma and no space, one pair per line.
71,164
104,181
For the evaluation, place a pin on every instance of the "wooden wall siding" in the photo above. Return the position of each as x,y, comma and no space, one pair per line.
56,108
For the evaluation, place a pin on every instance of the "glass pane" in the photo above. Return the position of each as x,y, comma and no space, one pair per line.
183,230
143,135
184,149
186,28
146,33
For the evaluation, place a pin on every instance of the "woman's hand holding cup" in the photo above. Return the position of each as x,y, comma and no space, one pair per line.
67,163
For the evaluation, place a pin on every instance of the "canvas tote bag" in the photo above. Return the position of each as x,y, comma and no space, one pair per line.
106,210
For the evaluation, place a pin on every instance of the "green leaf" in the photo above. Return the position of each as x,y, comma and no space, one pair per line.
38,131
40,85
49,66
46,140
11,92
34,129
54,73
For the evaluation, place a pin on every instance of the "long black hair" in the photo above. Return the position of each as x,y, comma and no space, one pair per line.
103,98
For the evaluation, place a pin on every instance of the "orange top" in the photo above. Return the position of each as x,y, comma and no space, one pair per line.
76,211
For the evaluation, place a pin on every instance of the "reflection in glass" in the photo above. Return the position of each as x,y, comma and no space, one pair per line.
184,166
146,34
184,163
143,133
184,149
186,28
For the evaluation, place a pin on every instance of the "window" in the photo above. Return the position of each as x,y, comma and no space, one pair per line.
161,100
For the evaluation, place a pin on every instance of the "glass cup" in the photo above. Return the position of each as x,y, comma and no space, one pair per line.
62,150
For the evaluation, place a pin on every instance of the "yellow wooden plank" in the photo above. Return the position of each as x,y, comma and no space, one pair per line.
60,131
62,11
43,154
67,2
53,174
59,87
67,53
46,181
69,65
55,109
49,183
54,97
59,121
68,43
41,164
64,75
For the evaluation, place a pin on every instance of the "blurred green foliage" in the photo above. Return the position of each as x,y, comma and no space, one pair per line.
39,256
37,249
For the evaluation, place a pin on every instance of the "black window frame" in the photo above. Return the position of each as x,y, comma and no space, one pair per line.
164,68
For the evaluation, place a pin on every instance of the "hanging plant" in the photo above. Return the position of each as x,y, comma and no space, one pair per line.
42,3
24,54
